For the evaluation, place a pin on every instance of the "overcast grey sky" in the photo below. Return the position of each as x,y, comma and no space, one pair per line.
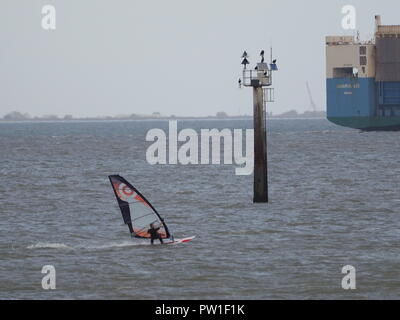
181,57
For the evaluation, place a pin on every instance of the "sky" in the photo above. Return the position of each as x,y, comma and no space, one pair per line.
176,57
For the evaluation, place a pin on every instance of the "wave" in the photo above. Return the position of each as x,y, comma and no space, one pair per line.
45,245
105,246
116,245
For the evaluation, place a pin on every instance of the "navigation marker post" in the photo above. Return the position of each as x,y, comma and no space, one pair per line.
260,79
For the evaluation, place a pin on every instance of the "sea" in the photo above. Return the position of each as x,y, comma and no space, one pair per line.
334,202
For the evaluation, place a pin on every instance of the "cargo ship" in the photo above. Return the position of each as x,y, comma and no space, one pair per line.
363,80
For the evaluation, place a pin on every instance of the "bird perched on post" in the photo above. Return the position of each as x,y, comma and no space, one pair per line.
274,62
262,56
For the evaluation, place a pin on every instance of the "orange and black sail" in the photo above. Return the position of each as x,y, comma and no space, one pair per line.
137,212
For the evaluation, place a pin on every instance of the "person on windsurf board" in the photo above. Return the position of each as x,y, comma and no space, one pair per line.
138,213
153,231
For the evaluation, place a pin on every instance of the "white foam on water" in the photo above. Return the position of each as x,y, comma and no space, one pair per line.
103,246
44,245
116,245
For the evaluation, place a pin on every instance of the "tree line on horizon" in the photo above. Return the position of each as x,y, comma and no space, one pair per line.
18,116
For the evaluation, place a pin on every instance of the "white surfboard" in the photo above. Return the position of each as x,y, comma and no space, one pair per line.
178,241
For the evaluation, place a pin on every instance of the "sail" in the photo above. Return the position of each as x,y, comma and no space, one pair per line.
137,212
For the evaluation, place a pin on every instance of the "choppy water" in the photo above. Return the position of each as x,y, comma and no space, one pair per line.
335,200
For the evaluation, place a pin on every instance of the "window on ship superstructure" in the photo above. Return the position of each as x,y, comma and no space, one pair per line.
343,72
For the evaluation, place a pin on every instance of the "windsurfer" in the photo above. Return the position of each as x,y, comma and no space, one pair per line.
153,231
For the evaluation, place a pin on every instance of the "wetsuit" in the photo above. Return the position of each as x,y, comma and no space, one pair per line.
154,235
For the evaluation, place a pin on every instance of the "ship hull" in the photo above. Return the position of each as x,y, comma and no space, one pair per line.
368,123
364,104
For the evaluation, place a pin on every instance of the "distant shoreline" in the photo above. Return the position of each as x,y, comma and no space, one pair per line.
154,119
18,117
